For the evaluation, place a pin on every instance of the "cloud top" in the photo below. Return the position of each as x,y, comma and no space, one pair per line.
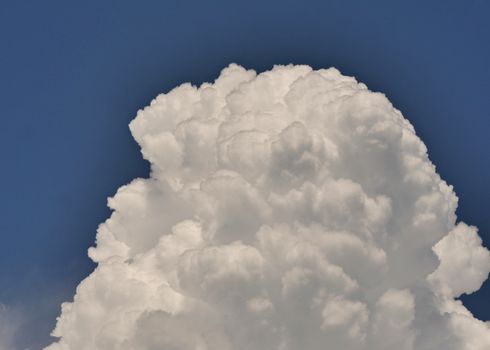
293,209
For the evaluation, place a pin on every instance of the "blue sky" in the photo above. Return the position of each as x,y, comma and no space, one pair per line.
74,75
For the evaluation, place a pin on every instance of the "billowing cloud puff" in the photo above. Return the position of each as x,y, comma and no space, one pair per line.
294,209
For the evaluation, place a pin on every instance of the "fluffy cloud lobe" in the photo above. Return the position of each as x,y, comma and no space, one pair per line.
293,209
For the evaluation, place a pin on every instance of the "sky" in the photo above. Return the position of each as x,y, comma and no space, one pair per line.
73,76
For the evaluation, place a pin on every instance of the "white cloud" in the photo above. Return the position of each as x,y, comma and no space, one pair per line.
294,209
460,251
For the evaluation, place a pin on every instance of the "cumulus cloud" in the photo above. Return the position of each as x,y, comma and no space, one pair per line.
293,209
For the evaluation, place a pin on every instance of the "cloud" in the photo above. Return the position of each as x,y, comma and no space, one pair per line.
294,209
10,320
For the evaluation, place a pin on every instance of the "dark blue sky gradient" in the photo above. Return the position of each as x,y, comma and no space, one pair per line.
73,74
